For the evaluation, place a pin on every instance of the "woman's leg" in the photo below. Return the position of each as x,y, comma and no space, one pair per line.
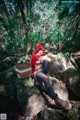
41,77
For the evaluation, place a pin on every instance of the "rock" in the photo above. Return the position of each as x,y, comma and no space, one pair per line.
76,57
65,68
35,105
60,88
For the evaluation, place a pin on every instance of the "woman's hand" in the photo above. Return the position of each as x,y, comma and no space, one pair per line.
44,58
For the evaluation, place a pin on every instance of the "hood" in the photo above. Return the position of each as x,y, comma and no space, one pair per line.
39,46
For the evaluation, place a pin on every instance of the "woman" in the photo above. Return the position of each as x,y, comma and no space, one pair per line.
40,67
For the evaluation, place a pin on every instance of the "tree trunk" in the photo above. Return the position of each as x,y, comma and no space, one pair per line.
7,14
21,6
75,32
29,6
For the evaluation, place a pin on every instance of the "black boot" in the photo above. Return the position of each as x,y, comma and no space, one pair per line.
64,104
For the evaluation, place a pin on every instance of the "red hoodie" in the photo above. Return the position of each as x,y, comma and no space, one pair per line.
35,57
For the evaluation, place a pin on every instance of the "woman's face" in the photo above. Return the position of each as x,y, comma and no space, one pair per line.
40,52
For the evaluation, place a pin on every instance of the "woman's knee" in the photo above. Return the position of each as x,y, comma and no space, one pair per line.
39,75
42,76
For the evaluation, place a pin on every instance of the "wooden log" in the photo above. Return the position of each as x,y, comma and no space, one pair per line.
76,57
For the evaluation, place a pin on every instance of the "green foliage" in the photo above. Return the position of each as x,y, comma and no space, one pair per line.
35,38
47,22
59,25
54,35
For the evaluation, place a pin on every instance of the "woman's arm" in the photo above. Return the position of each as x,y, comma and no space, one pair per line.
44,58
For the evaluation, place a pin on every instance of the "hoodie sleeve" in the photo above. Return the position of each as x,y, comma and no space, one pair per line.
33,61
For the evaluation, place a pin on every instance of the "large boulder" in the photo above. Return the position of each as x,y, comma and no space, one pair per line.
37,109
38,102
64,67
